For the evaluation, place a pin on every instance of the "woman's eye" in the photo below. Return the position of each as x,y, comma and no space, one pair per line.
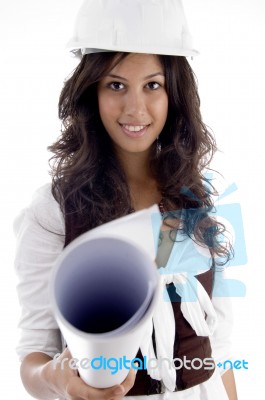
153,85
116,86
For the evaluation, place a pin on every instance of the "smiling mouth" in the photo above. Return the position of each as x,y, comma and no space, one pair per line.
134,130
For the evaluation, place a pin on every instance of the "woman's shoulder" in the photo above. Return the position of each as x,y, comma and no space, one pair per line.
43,196
44,210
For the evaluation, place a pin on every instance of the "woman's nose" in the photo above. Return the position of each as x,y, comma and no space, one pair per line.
134,104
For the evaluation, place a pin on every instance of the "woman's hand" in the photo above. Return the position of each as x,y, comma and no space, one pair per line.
66,383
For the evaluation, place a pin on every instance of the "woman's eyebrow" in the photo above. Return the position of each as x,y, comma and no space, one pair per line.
147,77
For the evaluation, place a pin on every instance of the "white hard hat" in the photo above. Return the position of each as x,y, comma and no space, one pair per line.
134,26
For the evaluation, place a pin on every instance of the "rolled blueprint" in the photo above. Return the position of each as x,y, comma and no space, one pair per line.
104,288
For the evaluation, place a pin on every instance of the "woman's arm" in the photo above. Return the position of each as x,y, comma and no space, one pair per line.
229,384
31,376
45,381
40,239
221,339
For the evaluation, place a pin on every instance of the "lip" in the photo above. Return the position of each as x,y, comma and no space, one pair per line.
133,134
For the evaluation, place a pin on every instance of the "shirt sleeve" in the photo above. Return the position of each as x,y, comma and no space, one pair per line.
40,239
221,339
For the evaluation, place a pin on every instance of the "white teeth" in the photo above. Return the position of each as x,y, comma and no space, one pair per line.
132,128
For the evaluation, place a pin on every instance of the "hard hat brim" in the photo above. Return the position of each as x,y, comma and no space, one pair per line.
88,48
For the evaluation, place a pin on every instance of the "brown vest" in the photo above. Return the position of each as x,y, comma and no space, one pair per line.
187,343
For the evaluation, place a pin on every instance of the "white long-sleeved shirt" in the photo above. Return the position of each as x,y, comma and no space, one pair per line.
40,240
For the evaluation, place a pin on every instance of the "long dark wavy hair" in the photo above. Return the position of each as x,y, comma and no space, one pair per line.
90,184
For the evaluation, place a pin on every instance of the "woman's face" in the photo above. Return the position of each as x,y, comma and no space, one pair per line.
133,103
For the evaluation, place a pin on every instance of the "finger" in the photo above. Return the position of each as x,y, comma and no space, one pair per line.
129,380
78,389
119,391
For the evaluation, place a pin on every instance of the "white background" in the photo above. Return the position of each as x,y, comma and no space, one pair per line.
230,35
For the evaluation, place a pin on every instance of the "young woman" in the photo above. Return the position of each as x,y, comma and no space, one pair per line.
133,136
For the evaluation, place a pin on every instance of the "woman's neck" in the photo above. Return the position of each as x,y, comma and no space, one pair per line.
141,182
136,166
